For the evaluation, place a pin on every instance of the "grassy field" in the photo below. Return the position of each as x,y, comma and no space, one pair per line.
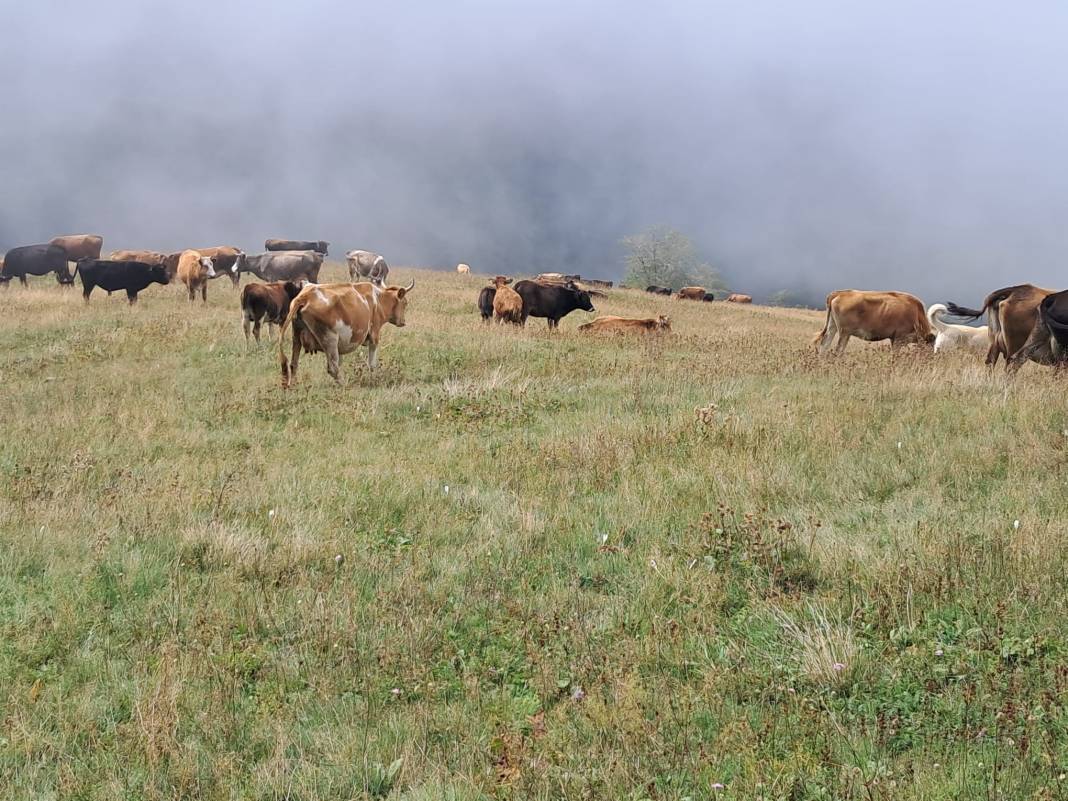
522,566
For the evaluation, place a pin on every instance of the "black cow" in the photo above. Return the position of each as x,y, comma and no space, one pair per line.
111,276
37,260
485,302
266,300
658,290
709,297
551,301
296,244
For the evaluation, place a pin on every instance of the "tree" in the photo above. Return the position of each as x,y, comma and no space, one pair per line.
662,256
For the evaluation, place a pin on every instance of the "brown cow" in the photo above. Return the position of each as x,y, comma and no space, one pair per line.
1011,313
80,246
143,256
223,257
337,319
734,297
266,300
609,324
194,270
873,316
507,303
691,293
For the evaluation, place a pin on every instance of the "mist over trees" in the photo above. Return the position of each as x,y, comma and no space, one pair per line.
665,257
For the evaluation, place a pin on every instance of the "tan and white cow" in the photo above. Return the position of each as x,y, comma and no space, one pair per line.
463,269
194,270
339,318
873,316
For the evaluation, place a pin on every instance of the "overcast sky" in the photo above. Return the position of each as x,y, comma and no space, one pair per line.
904,145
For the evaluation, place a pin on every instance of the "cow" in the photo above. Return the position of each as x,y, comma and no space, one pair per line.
266,300
145,256
709,298
194,271
658,290
80,246
319,246
873,316
463,269
949,336
552,302
365,264
1011,314
1048,341
485,302
609,324
293,265
338,318
735,297
37,260
691,293
223,258
507,304
111,275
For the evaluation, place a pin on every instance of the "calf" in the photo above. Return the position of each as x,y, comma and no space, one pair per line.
194,271
266,300
126,274
507,304
609,324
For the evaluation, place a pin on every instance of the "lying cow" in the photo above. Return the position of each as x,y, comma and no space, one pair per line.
319,246
658,290
691,293
950,337
608,324
365,264
111,275
552,302
1011,313
80,246
873,316
338,318
1048,341
270,301
144,256
284,266
194,270
735,297
37,260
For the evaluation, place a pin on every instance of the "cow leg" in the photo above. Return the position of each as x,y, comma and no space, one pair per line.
131,296
843,340
22,279
333,358
294,358
87,290
270,331
192,293
372,355
204,292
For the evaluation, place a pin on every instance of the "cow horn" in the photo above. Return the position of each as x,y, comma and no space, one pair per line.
410,286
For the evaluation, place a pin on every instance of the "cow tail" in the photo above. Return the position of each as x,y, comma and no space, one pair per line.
294,310
934,317
822,335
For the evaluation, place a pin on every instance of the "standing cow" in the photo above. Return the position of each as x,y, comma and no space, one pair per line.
551,301
319,246
463,269
873,316
337,319
80,246
1048,342
691,293
37,260
1011,313
113,275
300,265
194,271
266,300
365,264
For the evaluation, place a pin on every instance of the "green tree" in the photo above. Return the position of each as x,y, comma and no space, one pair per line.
663,256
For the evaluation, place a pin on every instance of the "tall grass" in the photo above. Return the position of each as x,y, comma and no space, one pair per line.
519,565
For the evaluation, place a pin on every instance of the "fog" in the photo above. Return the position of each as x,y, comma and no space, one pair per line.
811,146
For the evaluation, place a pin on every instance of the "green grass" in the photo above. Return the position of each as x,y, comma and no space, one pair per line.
659,565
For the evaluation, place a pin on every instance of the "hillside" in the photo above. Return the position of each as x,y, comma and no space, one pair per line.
520,565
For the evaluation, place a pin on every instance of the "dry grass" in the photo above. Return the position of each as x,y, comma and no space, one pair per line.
649,558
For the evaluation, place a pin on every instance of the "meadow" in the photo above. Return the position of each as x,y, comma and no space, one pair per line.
518,565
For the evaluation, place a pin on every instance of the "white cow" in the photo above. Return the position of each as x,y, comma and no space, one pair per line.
463,268
950,336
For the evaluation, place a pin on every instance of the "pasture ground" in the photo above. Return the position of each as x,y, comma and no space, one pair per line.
840,579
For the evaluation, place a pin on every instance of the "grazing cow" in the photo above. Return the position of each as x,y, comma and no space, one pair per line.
691,293
266,300
194,271
223,257
551,301
735,297
80,246
144,256
319,246
463,269
873,316
1011,313
507,304
37,260
610,324
658,290
709,297
365,264
337,319
485,302
293,265
111,275
949,336
1048,341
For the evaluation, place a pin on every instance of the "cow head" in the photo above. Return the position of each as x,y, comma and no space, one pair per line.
397,315
158,274
582,299
501,280
206,263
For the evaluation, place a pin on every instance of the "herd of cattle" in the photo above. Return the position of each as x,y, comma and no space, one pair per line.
1024,321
